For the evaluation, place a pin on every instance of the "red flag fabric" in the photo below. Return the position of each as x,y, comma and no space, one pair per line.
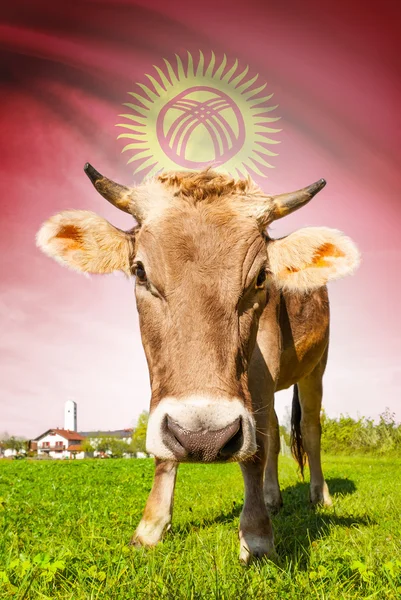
287,92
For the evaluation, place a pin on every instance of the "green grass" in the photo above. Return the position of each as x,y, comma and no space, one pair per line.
65,528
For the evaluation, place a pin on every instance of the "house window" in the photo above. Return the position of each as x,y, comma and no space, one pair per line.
46,444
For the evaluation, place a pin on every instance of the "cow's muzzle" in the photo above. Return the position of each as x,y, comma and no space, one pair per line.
204,445
201,429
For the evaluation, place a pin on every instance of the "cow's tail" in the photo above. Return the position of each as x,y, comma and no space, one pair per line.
297,447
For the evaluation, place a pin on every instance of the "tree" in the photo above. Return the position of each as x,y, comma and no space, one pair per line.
108,444
14,443
87,445
138,443
118,447
285,435
286,420
103,444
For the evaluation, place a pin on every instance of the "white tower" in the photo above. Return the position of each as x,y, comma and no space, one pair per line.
70,415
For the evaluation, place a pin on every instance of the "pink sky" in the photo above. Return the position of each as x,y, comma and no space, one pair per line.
335,76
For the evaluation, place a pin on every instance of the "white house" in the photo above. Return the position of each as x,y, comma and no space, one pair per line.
64,443
9,452
60,443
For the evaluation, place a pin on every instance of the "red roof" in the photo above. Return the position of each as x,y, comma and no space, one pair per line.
65,433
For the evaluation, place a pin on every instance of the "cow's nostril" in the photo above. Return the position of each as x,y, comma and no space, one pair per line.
203,445
171,438
234,444
179,433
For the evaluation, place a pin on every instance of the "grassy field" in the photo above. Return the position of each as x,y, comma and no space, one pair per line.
65,528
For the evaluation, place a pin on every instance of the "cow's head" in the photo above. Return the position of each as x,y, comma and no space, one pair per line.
204,270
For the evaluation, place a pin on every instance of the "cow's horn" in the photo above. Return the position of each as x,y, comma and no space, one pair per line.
119,195
284,204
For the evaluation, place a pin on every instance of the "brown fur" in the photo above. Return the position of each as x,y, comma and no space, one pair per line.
85,242
205,185
200,280
324,252
72,234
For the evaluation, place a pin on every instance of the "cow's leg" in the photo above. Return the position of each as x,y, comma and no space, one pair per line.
271,488
159,507
310,395
255,530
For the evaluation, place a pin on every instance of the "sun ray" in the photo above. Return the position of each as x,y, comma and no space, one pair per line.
259,165
180,68
252,168
148,163
147,102
258,101
221,68
143,111
261,157
210,67
230,72
171,72
199,70
270,141
190,69
148,91
240,77
253,92
247,84
143,154
159,89
133,128
266,129
266,123
129,136
265,149
163,78
136,118
136,145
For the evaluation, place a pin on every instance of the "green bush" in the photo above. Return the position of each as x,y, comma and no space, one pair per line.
362,435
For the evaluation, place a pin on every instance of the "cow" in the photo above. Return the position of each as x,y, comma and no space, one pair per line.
228,316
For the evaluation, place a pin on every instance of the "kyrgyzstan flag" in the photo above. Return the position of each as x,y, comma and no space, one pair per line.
287,92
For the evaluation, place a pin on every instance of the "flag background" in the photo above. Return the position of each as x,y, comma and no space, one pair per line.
65,71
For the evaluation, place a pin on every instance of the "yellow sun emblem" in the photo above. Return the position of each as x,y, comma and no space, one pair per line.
200,116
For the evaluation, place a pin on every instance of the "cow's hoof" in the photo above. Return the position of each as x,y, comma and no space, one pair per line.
255,546
136,542
148,534
320,496
274,502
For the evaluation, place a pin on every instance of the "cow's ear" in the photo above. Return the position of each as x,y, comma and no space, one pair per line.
86,242
307,259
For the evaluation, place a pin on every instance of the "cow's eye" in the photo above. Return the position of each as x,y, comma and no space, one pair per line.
140,273
261,278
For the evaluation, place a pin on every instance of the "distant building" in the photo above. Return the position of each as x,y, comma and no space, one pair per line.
7,452
94,438
70,416
59,443
68,443
121,434
11,452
